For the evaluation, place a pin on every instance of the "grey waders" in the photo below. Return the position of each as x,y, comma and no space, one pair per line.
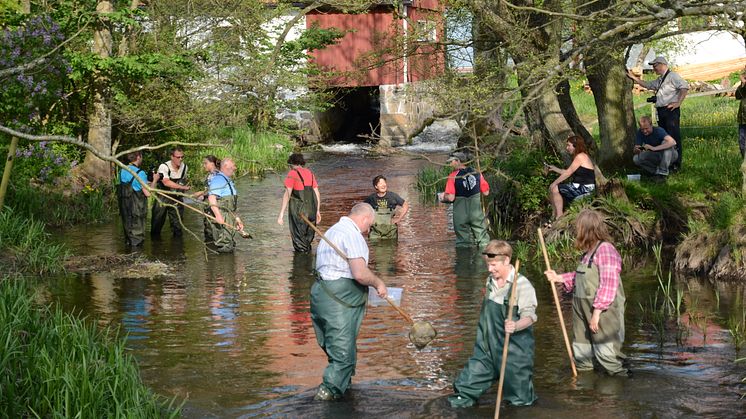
169,208
133,207
302,202
337,310
483,368
606,345
222,237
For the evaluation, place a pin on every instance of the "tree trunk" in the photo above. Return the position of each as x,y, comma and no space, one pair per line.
641,56
571,115
612,93
99,114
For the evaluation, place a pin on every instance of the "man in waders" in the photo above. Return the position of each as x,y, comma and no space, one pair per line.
172,179
390,209
483,368
133,200
339,295
463,188
302,193
223,200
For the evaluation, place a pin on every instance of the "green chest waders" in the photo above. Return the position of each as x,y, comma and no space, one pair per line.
606,345
337,310
302,202
483,368
468,222
383,228
133,207
223,238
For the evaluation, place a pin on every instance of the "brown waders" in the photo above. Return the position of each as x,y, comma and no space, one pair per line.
483,368
606,345
133,207
469,223
383,228
302,202
337,310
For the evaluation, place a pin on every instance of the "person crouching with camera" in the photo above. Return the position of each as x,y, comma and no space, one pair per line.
670,91
655,150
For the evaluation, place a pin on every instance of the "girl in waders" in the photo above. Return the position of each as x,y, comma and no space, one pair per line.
598,297
390,210
302,195
483,368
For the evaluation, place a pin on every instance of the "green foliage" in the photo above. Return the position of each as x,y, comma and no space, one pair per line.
56,365
92,204
254,152
431,180
725,210
26,246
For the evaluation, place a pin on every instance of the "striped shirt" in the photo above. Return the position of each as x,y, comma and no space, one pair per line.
609,264
348,237
525,294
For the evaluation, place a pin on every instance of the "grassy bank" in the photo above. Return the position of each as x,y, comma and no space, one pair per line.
55,365
26,245
254,152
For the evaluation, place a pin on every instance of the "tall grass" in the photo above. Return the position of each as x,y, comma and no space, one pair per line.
55,209
254,152
26,247
55,365
431,180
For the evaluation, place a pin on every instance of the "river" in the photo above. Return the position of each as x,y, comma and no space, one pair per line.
232,333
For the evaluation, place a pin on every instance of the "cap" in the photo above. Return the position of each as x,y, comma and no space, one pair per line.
659,60
457,156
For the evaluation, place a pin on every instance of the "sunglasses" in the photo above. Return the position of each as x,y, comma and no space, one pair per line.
493,255
178,157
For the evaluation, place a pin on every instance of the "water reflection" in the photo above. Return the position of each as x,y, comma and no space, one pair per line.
232,333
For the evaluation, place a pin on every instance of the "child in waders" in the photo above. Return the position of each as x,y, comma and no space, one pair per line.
598,298
390,210
302,195
483,368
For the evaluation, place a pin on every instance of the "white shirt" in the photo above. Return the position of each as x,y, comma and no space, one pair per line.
525,294
168,171
348,237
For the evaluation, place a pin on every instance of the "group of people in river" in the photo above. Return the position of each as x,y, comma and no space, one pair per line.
339,294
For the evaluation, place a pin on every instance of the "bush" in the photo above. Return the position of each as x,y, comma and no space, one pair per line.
55,365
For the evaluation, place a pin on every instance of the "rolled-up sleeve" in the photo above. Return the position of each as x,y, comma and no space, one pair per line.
526,299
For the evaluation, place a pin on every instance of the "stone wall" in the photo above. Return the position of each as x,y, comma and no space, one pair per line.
404,109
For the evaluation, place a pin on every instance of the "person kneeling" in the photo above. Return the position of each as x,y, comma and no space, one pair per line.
483,368
655,150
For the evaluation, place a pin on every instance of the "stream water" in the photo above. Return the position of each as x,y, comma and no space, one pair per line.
232,333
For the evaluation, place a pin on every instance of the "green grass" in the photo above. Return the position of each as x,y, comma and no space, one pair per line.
91,205
55,365
26,247
254,152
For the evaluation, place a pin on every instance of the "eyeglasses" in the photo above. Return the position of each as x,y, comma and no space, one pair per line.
178,157
493,255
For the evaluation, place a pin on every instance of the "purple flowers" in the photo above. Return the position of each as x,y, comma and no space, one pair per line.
43,161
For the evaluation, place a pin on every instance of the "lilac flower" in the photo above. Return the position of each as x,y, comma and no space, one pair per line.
43,144
59,160
27,153
73,163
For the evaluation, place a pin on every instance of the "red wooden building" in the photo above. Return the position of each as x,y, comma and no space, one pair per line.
389,46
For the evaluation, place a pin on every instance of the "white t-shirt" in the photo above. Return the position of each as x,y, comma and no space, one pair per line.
168,172
350,240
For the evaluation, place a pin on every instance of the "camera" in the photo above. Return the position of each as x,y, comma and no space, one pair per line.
651,99
151,172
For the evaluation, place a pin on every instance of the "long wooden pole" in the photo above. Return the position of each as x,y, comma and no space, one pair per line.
6,171
342,254
504,362
557,304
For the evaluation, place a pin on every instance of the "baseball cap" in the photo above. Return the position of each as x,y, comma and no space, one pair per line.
659,60
457,156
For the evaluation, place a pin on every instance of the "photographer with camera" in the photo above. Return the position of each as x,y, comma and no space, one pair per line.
173,175
670,91
655,150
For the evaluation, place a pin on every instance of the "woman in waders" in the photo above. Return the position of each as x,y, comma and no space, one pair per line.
390,210
598,297
483,368
302,193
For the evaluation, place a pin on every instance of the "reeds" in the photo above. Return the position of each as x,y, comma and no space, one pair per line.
253,152
56,365
26,245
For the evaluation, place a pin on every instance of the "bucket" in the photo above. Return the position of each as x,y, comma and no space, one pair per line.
633,178
375,300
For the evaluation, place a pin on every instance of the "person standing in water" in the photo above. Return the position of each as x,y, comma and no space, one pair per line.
223,200
598,297
302,195
463,188
173,175
390,209
132,198
483,368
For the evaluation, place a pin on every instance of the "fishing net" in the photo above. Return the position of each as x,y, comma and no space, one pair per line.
421,334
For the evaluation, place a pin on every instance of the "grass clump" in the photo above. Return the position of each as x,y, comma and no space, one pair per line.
26,246
253,152
55,365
